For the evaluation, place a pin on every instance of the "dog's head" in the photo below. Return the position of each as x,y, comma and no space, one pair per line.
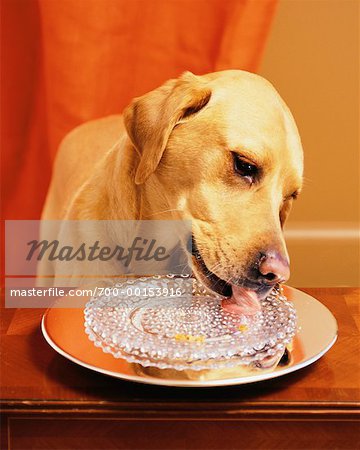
222,150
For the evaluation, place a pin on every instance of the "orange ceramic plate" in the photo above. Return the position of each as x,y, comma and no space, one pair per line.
63,328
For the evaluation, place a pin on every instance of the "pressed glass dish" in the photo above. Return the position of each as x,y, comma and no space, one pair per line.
189,329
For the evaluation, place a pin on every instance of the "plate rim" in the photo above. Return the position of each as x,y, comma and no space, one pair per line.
196,383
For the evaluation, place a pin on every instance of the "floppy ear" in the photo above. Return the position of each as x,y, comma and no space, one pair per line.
150,119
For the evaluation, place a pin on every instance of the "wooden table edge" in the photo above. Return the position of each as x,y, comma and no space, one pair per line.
197,411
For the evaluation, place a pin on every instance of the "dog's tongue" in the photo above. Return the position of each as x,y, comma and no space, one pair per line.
243,301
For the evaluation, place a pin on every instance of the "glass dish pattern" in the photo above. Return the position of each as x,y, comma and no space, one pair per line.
189,331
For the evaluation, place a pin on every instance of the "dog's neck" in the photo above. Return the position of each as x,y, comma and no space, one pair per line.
116,196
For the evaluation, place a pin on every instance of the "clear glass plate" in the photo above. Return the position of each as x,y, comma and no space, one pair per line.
187,330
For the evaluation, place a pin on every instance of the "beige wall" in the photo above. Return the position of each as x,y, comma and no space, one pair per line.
312,58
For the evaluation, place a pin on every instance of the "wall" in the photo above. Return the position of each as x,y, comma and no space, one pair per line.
312,58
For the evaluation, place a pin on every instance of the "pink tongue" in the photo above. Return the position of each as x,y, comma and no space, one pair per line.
243,301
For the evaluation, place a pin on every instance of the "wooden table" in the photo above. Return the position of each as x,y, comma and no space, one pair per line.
50,403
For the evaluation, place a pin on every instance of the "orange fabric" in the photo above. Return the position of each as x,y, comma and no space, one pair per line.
68,61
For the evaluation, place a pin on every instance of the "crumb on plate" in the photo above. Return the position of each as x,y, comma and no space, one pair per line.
190,338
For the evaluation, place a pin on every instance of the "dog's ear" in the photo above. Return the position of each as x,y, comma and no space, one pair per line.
150,119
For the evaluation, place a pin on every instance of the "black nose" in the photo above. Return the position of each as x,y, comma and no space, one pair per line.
272,268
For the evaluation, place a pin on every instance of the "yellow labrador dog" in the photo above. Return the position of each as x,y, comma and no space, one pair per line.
221,150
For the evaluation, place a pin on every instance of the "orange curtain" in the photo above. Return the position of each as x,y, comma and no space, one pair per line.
68,61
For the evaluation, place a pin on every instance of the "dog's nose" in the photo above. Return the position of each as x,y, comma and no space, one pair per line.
273,268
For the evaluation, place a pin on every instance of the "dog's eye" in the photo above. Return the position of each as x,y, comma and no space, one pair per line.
244,168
